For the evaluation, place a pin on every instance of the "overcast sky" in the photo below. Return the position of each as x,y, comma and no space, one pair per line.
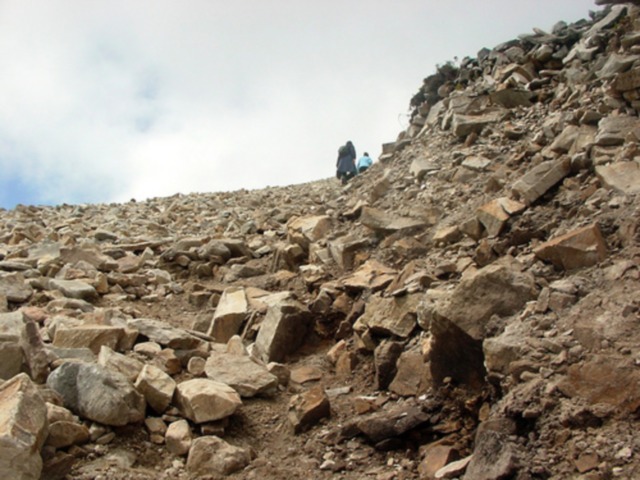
108,100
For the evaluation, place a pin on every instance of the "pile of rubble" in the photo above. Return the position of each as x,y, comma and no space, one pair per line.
467,308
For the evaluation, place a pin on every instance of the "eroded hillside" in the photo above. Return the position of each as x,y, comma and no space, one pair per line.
467,308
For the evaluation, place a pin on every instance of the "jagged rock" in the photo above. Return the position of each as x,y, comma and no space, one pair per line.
413,375
511,98
64,434
343,250
307,230
231,312
436,457
11,354
74,289
98,394
614,130
390,316
282,330
308,408
156,386
463,125
92,337
203,400
537,181
241,373
454,469
579,248
14,288
165,334
423,166
622,176
179,437
371,276
385,356
383,222
495,214
497,289
495,455
380,426
23,429
128,366
211,454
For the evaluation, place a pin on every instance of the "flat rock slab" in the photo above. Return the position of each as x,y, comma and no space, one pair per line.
231,312
92,337
380,221
165,334
241,373
622,176
387,424
308,408
537,181
74,289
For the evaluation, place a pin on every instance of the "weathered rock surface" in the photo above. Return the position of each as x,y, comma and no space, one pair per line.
23,429
211,454
241,373
98,394
203,400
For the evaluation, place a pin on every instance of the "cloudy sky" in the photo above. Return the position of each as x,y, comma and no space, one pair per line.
108,100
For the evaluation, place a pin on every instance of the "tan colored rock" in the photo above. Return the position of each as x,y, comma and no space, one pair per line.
537,181
372,275
14,287
23,429
64,434
130,367
196,365
495,214
165,334
156,386
74,289
380,221
622,176
579,248
390,315
344,249
307,230
308,408
231,312
212,455
413,375
435,458
283,330
178,437
92,337
204,400
616,130
242,373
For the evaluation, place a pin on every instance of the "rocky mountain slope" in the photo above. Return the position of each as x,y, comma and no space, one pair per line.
467,308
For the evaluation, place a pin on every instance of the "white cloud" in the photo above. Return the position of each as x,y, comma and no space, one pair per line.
106,101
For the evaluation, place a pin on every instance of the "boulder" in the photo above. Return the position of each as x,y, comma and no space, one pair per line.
495,214
537,181
14,288
98,394
231,312
212,455
372,275
65,433
308,408
413,374
156,386
178,437
616,130
579,248
623,177
241,373
92,337
203,400
74,289
307,230
495,454
283,330
128,366
164,334
23,429
390,315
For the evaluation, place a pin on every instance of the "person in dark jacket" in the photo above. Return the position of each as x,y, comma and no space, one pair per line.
346,164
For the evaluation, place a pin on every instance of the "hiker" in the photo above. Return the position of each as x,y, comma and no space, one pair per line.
364,162
346,164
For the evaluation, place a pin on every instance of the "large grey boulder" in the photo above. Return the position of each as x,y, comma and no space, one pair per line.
98,394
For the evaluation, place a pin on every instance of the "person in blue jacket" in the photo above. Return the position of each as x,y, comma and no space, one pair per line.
346,164
364,162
